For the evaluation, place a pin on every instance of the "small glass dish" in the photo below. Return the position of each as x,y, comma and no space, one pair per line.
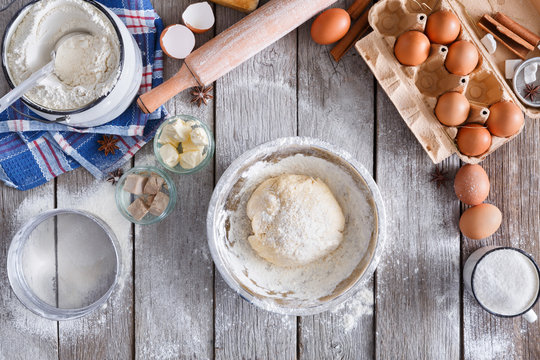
124,198
209,149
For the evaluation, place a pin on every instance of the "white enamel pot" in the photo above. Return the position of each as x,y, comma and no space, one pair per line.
107,107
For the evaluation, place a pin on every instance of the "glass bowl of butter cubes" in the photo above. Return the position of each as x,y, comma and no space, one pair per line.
145,195
183,144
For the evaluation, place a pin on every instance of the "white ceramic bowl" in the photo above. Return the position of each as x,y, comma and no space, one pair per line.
234,187
108,107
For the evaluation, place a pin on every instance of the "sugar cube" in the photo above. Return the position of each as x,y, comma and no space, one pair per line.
510,67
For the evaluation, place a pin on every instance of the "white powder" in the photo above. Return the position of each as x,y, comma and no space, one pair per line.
306,285
78,80
351,311
506,282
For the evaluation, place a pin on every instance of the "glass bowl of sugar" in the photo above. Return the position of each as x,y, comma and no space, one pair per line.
505,281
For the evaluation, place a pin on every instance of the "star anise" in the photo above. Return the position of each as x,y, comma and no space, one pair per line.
115,176
108,144
438,176
201,95
531,91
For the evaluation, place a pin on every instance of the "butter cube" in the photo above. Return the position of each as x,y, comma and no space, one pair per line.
182,130
168,136
138,209
135,184
153,185
190,159
199,137
190,146
159,204
169,155
241,5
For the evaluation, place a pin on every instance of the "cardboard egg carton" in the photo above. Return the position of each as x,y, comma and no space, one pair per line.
414,90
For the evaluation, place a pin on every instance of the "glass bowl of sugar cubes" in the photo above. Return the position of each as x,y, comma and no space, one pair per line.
183,144
145,195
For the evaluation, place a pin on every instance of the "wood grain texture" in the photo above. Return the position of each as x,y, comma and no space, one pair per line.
106,333
250,35
173,268
254,103
418,279
515,191
328,110
24,334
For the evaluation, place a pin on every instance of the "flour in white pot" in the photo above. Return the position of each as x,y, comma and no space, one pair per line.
506,282
305,285
86,67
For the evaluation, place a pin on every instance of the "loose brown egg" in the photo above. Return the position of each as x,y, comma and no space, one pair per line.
452,108
480,221
412,48
442,27
330,26
471,184
462,58
505,119
473,140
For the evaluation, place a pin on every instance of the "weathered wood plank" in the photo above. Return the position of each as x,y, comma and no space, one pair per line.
514,172
106,333
173,268
255,103
418,279
24,335
336,104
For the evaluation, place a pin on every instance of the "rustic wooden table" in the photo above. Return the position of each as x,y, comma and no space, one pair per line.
173,304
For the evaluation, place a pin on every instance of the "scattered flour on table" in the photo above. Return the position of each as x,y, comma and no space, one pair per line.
352,310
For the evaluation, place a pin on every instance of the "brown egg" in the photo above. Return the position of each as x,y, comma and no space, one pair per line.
462,58
473,140
412,48
442,27
330,26
452,108
505,119
480,221
471,184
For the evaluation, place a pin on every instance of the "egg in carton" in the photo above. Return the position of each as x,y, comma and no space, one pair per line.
415,90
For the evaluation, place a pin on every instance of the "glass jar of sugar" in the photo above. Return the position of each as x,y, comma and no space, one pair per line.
504,280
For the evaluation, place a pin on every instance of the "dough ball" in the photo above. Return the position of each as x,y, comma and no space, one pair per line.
295,220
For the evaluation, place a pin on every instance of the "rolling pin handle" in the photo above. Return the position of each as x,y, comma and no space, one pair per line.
153,99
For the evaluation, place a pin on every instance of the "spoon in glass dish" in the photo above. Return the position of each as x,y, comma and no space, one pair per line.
39,75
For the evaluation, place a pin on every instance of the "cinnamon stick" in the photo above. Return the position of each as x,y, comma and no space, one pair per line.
354,34
357,8
518,29
505,36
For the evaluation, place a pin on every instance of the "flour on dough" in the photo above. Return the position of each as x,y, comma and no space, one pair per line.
295,220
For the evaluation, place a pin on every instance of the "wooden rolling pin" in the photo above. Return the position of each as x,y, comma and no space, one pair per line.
232,47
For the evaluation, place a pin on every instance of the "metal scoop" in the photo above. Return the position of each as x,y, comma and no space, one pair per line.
36,77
